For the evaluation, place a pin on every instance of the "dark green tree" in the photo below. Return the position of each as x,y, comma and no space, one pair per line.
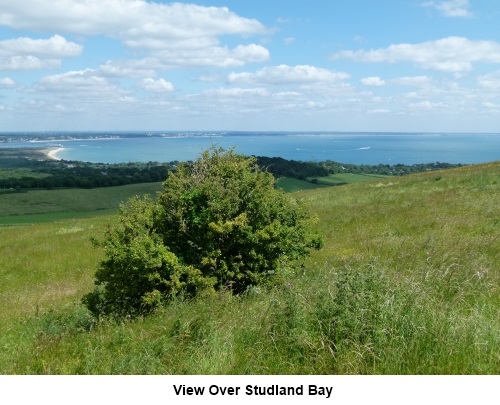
219,224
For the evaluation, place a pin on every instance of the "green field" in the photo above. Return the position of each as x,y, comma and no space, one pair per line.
291,185
348,178
49,205
408,283
36,206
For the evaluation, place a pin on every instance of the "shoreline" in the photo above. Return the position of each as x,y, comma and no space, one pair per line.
52,153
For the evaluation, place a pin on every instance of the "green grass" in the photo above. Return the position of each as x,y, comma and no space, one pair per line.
289,185
408,283
51,217
49,205
348,178
37,206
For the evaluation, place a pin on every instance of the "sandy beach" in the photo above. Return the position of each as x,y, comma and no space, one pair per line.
52,153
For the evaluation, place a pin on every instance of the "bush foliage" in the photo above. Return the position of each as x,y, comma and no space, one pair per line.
219,224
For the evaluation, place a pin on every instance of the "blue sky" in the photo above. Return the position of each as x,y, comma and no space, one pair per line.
323,65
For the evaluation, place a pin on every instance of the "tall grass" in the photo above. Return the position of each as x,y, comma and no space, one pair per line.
408,283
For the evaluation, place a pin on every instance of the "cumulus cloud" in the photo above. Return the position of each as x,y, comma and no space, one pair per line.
32,54
451,8
208,57
7,82
54,47
126,18
284,74
86,83
372,81
156,86
186,34
451,54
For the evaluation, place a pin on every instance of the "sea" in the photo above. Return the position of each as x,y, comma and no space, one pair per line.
356,147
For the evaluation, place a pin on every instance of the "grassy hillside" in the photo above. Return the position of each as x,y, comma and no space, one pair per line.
408,283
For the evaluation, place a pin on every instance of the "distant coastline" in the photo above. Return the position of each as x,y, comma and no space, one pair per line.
353,148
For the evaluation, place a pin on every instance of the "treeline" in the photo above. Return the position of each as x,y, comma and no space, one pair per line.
26,172
30,169
76,175
280,167
386,170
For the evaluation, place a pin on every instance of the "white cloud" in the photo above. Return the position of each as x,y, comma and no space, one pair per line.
88,84
373,81
54,47
126,69
379,111
216,56
451,8
210,78
237,92
178,33
33,54
251,53
425,106
73,78
126,19
490,81
488,104
7,82
157,86
451,54
286,94
17,63
414,81
284,74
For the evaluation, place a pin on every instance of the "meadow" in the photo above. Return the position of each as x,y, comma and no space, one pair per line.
408,282
33,206
50,205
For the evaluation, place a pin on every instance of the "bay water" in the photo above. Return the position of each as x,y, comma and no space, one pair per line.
356,148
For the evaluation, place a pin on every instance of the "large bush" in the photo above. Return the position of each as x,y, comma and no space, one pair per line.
220,223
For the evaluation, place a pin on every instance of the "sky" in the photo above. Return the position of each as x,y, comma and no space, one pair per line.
270,65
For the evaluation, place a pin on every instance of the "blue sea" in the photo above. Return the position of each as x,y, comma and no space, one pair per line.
357,148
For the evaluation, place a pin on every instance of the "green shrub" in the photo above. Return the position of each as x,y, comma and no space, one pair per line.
219,224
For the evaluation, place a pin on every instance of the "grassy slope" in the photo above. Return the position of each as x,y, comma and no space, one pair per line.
408,282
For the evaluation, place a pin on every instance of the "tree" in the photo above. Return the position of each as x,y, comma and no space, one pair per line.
219,224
